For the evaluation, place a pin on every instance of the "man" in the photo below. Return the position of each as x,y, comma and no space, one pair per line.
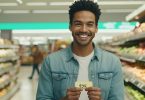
37,58
81,61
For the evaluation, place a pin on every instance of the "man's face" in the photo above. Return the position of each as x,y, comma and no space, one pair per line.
83,28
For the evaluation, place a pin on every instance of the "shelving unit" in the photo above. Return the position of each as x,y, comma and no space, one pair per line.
9,68
10,93
127,50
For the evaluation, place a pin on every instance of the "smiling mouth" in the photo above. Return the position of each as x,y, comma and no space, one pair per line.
83,37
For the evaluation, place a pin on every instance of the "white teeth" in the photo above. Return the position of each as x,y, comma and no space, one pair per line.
83,36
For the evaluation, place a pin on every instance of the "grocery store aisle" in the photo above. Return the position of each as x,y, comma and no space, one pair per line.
28,87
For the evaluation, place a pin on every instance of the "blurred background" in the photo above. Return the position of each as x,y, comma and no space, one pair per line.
24,23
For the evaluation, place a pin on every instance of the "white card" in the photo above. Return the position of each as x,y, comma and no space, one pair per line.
83,84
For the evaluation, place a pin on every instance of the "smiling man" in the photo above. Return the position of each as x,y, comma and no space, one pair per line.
81,71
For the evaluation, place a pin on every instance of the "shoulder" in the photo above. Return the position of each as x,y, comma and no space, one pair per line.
109,59
107,54
57,55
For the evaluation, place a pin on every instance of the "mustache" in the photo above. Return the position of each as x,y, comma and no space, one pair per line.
82,33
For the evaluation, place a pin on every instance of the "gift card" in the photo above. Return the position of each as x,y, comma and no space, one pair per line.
83,84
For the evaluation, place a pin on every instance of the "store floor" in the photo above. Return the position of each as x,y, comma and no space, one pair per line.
28,87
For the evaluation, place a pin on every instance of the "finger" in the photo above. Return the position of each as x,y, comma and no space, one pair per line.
93,89
74,89
94,93
94,97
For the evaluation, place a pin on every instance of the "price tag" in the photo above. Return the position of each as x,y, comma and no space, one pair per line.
83,84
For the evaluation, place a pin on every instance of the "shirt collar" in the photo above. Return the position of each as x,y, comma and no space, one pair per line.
70,53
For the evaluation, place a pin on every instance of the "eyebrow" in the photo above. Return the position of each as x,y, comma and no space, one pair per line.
77,21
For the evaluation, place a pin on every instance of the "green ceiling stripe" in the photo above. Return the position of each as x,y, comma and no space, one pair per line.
61,25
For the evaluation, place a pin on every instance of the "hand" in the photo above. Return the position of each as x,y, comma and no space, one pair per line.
73,94
93,93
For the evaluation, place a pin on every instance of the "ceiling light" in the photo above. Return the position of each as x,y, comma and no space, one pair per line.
117,10
20,1
120,2
36,4
8,4
49,11
15,11
60,3
101,3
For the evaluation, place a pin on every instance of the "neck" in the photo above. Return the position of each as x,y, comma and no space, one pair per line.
82,50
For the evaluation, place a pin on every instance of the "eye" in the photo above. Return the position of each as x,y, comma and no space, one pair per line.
90,24
77,24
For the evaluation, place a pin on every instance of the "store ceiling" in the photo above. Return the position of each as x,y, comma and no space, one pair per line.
56,10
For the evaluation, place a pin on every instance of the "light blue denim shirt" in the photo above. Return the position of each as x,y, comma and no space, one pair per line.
60,70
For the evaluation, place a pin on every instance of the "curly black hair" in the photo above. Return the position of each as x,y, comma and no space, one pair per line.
84,5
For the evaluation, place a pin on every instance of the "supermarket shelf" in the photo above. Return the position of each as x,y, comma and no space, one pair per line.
6,82
133,38
125,56
4,70
8,47
132,58
8,69
10,93
130,77
4,59
127,59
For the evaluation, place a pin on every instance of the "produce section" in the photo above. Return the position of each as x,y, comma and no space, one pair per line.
9,69
130,47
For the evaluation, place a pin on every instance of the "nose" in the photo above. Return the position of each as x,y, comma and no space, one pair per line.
83,28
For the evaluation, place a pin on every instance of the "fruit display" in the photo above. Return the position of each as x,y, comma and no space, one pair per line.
136,71
130,47
134,50
4,66
4,77
8,69
7,53
135,94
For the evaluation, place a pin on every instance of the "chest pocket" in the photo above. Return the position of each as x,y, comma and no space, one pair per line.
104,80
105,76
59,84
